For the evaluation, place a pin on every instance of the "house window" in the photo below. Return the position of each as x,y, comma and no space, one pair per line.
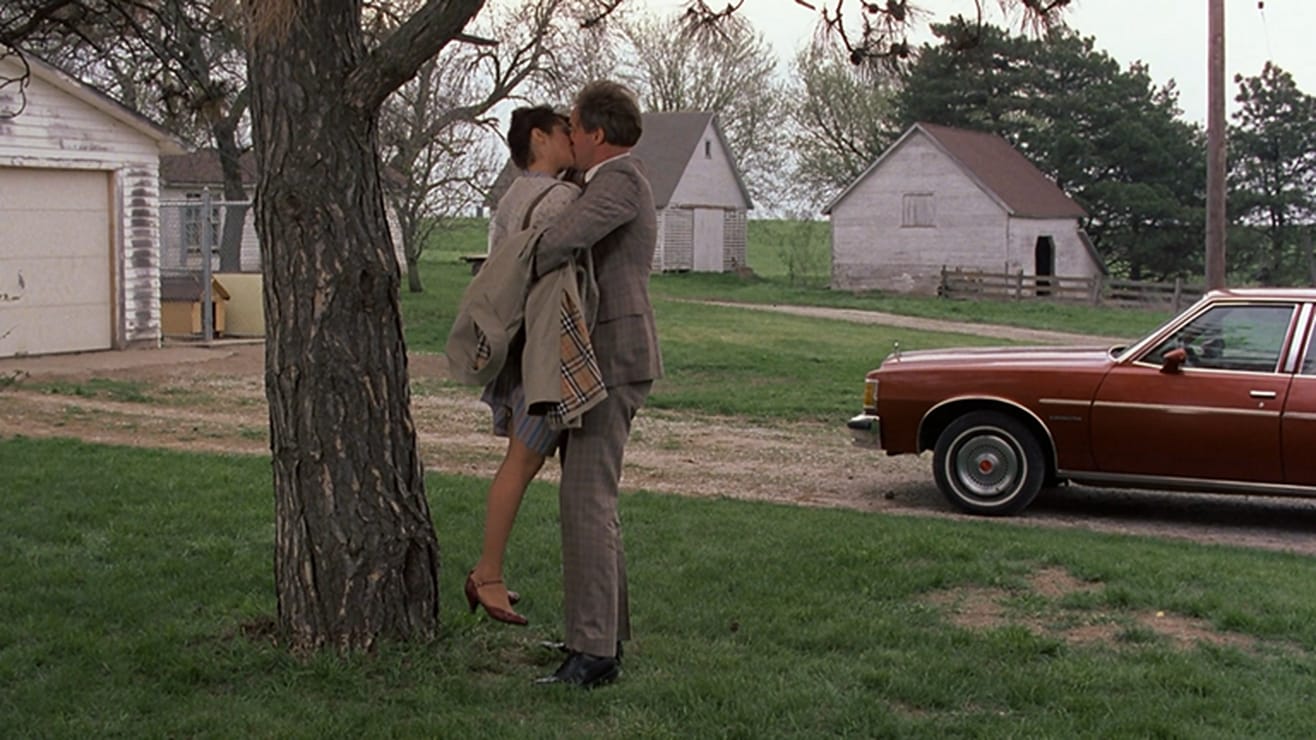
193,221
916,210
708,149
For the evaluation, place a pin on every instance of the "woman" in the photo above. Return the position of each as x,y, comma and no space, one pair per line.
541,147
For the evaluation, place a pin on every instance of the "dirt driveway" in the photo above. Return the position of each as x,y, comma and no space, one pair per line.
212,399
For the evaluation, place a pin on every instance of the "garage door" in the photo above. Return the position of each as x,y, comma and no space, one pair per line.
55,275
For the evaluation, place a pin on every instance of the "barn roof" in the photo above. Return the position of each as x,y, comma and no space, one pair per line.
666,147
998,168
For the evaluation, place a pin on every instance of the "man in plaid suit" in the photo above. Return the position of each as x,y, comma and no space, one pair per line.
615,220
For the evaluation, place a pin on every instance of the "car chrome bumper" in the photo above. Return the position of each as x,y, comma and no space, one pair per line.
865,431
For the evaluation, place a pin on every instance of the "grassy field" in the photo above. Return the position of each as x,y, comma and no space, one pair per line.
754,364
138,591
138,584
767,240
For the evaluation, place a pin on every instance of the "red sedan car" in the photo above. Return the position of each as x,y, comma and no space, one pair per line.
1222,398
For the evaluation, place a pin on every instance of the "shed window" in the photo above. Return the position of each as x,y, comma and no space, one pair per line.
708,149
917,210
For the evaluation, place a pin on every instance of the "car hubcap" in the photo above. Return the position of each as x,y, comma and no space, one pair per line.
988,466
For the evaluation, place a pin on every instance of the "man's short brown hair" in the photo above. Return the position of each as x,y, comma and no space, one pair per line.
612,107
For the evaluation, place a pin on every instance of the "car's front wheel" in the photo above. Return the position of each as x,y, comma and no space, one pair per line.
987,462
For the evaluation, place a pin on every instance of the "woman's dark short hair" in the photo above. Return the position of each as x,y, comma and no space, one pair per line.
525,120
612,107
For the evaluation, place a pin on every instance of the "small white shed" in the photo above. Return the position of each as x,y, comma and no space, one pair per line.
79,216
698,190
946,197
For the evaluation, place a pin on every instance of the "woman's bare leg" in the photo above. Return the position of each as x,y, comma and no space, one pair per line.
519,467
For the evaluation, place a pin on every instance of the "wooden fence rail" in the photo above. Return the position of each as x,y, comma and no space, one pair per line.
960,283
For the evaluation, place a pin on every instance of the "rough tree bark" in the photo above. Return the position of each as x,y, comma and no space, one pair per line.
356,556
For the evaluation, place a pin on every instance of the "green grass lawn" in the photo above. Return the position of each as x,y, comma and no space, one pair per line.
442,270
756,364
136,583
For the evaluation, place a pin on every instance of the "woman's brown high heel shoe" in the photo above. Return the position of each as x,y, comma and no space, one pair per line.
494,612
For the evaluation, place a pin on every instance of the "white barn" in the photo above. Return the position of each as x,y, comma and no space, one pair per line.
946,197
79,216
698,191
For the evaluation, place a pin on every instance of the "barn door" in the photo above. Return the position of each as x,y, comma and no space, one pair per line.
708,239
1044,258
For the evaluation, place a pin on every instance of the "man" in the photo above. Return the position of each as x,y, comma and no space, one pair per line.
614,219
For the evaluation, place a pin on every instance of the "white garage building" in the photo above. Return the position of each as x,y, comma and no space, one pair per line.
79,216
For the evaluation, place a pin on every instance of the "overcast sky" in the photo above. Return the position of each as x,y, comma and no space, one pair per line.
1169,35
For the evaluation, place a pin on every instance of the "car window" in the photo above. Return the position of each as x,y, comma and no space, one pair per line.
1309,362
1243,338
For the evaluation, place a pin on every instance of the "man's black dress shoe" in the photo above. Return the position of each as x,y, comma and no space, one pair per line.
585,670
561,647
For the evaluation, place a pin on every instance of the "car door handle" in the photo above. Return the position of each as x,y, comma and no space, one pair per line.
1262,394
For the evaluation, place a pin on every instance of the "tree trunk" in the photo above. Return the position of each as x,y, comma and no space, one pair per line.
356,556
230,241
413,275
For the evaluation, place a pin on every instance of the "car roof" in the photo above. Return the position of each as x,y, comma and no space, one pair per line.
1290,294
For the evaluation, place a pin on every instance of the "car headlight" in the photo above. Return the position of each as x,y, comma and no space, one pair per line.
870,395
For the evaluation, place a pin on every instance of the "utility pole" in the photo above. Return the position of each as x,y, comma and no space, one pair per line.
1215,146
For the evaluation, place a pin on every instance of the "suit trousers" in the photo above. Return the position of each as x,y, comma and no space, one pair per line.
593,560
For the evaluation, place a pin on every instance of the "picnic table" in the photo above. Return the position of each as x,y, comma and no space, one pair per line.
476,261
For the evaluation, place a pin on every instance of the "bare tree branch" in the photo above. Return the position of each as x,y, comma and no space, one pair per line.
17,83
398,57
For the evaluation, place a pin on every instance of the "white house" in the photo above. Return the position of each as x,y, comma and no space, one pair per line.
79,216
183,180
698,192
946,197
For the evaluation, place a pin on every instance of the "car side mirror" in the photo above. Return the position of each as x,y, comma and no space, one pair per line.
1173,360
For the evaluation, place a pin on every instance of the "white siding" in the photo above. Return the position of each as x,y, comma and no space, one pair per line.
871,250
676,246
709,181
59,130
734,255
1072,258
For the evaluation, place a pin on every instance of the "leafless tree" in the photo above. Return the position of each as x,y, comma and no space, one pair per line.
842,118
731,73
433,128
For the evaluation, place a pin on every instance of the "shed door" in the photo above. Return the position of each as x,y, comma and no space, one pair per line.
708,239
55,267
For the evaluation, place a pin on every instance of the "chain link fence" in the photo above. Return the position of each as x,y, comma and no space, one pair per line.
200,238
